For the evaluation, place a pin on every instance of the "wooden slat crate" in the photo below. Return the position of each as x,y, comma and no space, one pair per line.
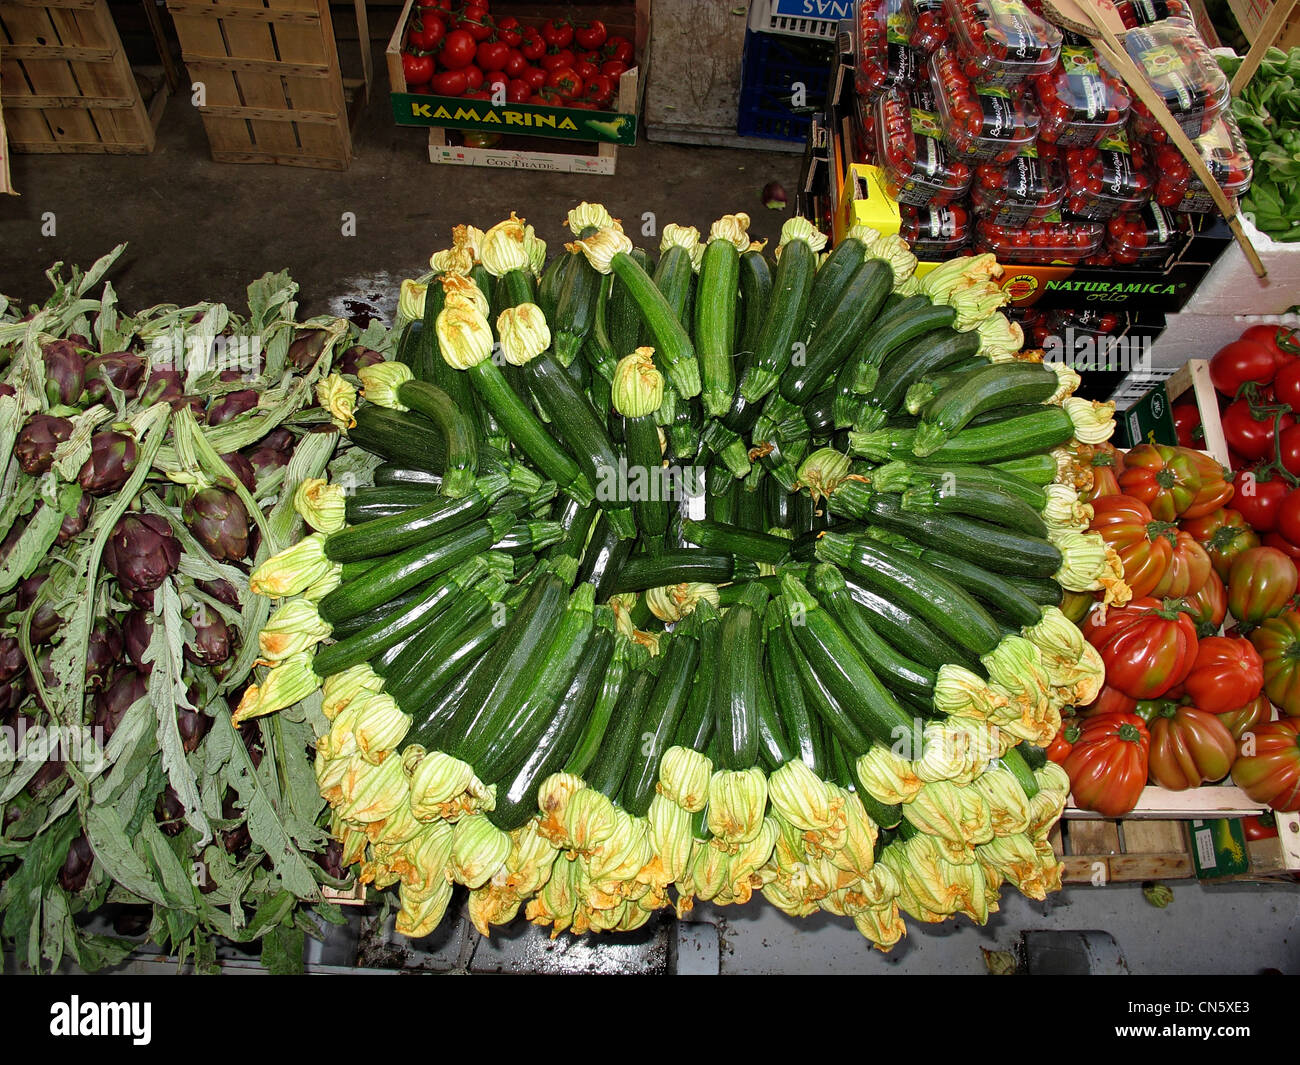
273,90
66,81
1104,852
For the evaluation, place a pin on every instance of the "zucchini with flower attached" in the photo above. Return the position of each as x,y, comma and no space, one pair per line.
716,311
999,384
609,768
736,676
1014,438
637,393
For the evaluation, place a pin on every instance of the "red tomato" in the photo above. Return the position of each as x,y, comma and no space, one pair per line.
416,69
1289,449
1288,516
494,78
1259,498
1110,701
586,71
566,83
1165,478
1286,385
473,78
619,48
1278,642
458,49
1247,718
1262,827
1240,362
509,31
492,56
1143,544
1227,674
613,68
1250,436
426,32
557,32
1216,485
1187,424
518,91
558,60
1271,772
600,89
1276,539
591,34
516,64
1260,584
1284,343
534,76
1060,747
1189,747
1189,569
533,46
480,94
476,21
1147,647
436,5
1209,605
450,83
1108,764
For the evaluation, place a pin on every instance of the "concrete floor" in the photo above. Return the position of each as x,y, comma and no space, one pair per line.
203,230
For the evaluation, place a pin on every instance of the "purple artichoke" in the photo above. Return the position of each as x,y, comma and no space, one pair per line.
65,372
306,349
331,860
232,405
142,553
236,840
112,458
123,369
169,812
219,522
51,777
279,439
111,704
164,385
212,643
13,676
77,865
137,630
103,652
357,358
45,622
37,440
241,468
7,389
12,537
193,724
74,524
266,460
220,590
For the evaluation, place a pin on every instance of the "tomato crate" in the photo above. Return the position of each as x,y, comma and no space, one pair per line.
1104,852
783,83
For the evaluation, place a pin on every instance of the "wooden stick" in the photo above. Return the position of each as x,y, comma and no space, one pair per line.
1267,32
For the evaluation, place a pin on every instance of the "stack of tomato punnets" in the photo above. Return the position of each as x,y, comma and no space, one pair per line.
1183,706
461,49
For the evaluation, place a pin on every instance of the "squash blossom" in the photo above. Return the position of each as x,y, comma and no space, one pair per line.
380,383
372,792
523,332
463,292
410,300
504,247
464,336
675,601
686,237
684,777
886,777
436,781
737,801
339,689
285,684
295,627
590,216
637,389
601,247
379,727
478,850
1000,337
320,504
1094,422
339,398
295,569
733,228
422,912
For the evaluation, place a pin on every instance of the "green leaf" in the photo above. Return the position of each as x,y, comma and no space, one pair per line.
114,851
177,880
282,951
94,952
270,914
32,547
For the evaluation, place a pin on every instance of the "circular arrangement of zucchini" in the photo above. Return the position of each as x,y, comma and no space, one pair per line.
689,579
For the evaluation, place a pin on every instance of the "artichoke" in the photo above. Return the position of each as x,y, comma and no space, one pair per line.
212,643
197,404
279,439
169,812
112,458
241,468
136,631
126,688
231,405
141,553
123,369
13,675
266,460
219,522
7,389
76,867
37,440
74,524
357,358
306,349
221,590
192,724
103,652
45,622
164,385
65,372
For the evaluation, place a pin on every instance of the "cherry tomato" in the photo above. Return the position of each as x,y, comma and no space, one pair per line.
613,68
417,69
1288,516
492,56
458,50
533,46
518,91
436,5
426,32
591,34
535,77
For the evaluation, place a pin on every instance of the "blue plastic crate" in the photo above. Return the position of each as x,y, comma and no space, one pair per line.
771,65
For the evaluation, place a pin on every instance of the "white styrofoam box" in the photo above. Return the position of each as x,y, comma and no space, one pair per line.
1231,286
794,18
1198,336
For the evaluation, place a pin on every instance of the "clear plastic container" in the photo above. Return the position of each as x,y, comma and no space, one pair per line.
980,125
1050,241
1110,177
1224,152
909,149
1021,192
935,232
925,24
885,60
1079,102
1001,42
1181,69
1147,237
1145,12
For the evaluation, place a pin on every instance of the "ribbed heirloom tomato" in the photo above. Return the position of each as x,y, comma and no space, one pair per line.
1224,534
1189,568
1107,465
1144,545
1208,606
1247,718
1165,478
1278,642
1271,773
1226,673
1108,764
1216,486
1189,747
1110,700
1148,646
1260,583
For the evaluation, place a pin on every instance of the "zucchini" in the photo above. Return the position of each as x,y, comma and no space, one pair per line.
351,626
674,276
384,536
389,474
430,366
715,325
799,725
374,502
433,696
696,725
968,496
423,652
995,591
610,765
731,540
905,632
627,658
549,284
624,320
576,519
641,443
989,476
755,292
736,675
1042,590
774,748
403,437
456,428
516,799
834,275
819,415
898,671
1039,468
882,344
394,574
674,567
672,342
605,556
782,325
842,668
997,385
659,720
833,339
837,723
946,606
977,541
529,537
1013,438
919,355
575,308
779,504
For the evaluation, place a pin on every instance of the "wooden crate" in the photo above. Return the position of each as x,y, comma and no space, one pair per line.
1105,852
66,81
273,89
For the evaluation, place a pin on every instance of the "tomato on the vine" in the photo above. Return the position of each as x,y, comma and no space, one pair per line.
1249,436
1241,362
473,78
535,77
476,21
533,47
557,32
1288,517
458,50
1259,497
426,32
516,64
1282,341
509,31
450,83
1286,385
613,68
416,69
1187,424
518,91
619,48
492,56
565,82
591,34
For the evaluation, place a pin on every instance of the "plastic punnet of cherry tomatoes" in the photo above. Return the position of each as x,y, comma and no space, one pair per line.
980,125
885,59
1179,66
918,170
1000,44
1106,179
1224,152
1023,191
925,24
1147,237
1144,12
1050,241
935,232
1080,102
